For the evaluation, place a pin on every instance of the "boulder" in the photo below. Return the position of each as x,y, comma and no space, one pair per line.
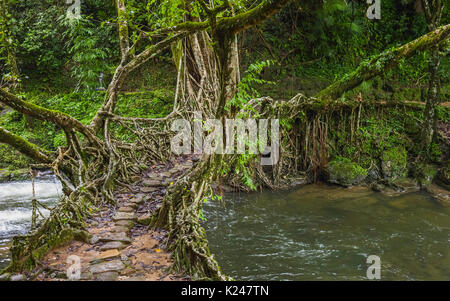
424,174
345,173
393,163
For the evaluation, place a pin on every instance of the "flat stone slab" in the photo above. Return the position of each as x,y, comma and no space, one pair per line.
124,216
118,229
109,266
134,279
112,245
107,276
130,204
125,223
122,236
114,253
126,209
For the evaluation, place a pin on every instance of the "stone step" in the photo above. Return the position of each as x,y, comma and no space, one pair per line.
154,182
118,229
109,254
122,237
107,276
112,245
125,209
108,266
130,216
125,223
130,204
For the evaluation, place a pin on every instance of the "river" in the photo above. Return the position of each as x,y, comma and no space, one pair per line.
316,232
16,208
321,232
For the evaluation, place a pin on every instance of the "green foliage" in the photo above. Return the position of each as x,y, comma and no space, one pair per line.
246,88
394,162
91,51
344,172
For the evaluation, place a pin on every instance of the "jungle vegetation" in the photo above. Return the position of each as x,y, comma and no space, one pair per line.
359,100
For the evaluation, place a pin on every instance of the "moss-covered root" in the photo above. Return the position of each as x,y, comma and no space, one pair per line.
180,214
65,224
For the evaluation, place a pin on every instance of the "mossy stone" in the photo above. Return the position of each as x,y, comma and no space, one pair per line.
424,174
344,172
393,163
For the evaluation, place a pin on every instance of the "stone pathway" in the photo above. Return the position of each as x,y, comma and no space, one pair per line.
122,246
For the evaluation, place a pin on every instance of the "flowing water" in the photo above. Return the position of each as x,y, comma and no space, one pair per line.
16,209
321,232
317,232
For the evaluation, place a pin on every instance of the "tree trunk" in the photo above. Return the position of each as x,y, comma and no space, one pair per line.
8,42
433,11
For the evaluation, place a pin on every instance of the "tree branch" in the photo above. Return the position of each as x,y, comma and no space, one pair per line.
382,62
61,119
29,149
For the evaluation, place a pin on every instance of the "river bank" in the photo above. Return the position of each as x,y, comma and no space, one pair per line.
122,247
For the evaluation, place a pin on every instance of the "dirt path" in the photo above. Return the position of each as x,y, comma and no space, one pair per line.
122,247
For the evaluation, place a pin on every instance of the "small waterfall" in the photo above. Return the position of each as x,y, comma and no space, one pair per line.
16,207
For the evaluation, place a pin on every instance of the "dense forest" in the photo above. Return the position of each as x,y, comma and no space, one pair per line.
90,90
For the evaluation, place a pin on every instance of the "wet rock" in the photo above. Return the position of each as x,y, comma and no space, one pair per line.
440,194
112,245
109,266
7,175
122,237
393,163
124,216
18,277
345,173
107,276
5,277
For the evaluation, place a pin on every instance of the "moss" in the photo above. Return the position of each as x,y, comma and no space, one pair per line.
444,174
344,172
424,174
393,162
7,175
